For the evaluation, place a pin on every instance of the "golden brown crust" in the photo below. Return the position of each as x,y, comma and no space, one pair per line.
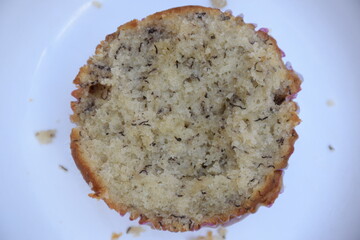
265,195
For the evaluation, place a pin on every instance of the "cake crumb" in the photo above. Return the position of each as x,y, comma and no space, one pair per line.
331,148
97,4
63,168
218,3
209,235
330,103
46,136
135,231
116,236
222,232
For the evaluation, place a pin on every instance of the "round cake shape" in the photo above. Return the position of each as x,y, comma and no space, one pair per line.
185,118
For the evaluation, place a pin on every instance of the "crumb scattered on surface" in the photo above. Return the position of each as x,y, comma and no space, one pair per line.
97,4
135,231
209,235
218,3
46,136
30,99
116,236
222,232
330,103
331,148
63,168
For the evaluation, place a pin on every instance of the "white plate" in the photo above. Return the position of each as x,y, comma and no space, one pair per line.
43,44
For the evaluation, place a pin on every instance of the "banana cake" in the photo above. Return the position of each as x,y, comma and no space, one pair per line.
185,118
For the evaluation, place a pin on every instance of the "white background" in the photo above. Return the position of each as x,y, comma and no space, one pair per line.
42,46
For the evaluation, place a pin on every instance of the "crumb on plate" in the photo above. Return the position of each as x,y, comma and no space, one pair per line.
46,136
97,4
331,148
115,236
222,232
330,103
209,235
218,3
63,168
135,231
30,99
